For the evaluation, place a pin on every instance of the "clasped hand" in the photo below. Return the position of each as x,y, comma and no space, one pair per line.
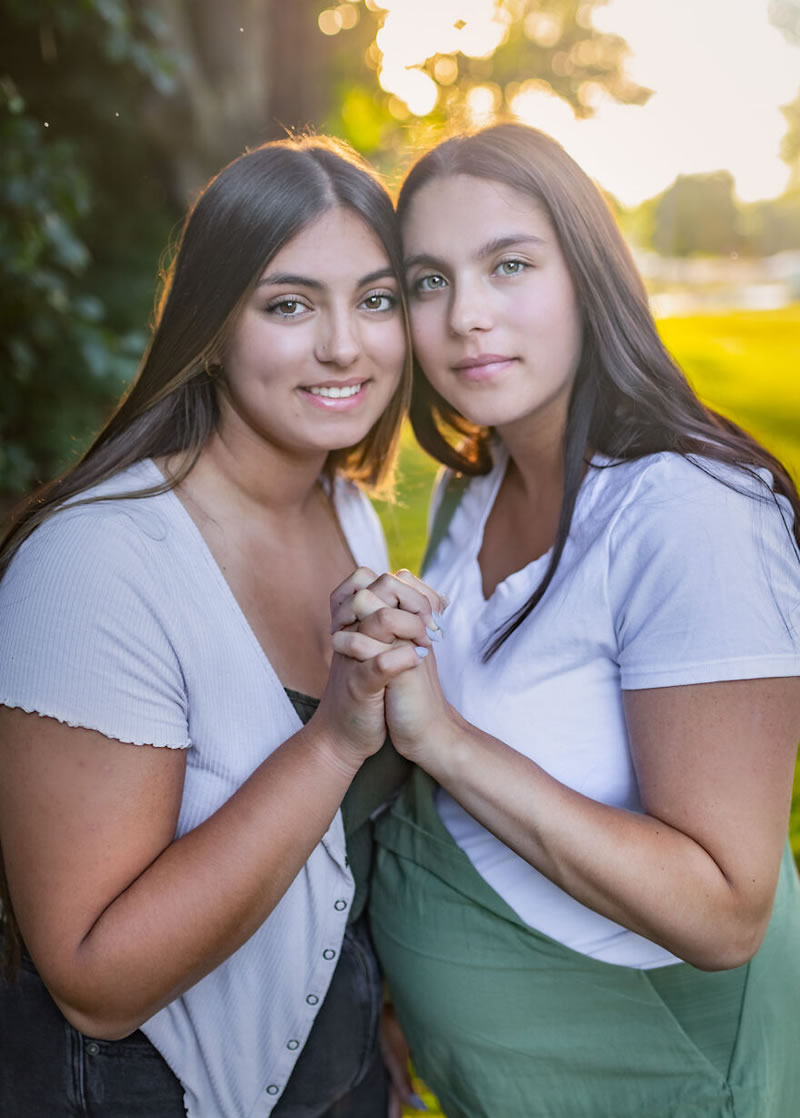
390,625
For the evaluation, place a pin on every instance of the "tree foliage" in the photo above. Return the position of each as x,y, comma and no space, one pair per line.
73,309
700,215
545,45
697,214
785,14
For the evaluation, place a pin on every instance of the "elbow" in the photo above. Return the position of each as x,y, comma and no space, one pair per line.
731,945
96,1009
97,1001
99,1023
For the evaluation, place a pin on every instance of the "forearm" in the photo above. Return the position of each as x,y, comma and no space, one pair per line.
633,868
205,894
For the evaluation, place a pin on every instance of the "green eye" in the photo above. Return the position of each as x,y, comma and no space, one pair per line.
430,283
511,267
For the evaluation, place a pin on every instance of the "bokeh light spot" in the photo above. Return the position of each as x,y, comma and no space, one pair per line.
330,21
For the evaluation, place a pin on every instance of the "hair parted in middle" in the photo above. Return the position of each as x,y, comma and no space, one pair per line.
239,221
629,398
242,218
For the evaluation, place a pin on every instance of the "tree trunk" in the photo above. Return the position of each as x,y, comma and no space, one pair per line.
250,70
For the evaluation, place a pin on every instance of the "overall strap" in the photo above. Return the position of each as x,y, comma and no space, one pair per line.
452,486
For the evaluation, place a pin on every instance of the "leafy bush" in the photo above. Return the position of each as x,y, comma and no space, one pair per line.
70,339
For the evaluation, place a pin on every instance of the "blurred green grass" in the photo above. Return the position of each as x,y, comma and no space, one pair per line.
744,364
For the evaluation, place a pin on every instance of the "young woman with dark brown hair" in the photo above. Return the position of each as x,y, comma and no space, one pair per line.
180,884
584,901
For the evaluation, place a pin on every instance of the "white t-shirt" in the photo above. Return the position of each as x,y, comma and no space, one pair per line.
116,617
668,577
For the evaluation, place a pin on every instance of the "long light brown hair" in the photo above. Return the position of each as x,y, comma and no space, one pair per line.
629,398
243,217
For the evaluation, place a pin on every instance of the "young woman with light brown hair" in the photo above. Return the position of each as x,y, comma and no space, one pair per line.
584,901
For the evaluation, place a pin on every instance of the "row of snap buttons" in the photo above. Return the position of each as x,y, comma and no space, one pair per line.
311,999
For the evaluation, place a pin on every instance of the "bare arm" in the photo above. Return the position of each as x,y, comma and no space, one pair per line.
697,871
119,917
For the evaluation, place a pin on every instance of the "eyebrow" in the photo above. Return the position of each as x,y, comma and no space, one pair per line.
289,279
497,244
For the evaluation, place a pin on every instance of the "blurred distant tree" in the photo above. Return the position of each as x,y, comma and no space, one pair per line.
772,225
697,214
790,145
785,14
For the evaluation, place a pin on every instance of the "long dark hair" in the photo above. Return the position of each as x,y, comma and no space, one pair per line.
243,217
629,398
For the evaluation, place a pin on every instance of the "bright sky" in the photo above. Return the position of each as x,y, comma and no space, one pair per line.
719,71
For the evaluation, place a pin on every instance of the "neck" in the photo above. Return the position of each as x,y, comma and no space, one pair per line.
252,477
538,463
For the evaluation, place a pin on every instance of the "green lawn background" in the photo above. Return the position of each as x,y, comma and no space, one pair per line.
744,364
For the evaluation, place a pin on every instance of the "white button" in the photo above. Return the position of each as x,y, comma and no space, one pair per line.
328,953
293,1044
312,999
339,905
272,1089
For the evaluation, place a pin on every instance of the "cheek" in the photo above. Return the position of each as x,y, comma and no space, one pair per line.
258,349
426,333
389,346
559,316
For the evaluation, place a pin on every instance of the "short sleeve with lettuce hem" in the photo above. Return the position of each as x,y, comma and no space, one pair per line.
85,637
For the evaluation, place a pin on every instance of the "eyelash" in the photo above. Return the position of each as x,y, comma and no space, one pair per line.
274,308
388,296
521,266
418,287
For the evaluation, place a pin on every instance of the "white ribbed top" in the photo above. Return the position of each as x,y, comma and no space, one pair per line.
115,617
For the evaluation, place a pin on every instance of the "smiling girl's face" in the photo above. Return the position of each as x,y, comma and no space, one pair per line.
319,348
494,317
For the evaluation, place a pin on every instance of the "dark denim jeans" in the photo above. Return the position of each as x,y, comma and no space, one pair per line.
50,1070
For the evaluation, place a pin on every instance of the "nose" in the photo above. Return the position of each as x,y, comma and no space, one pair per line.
469,308
337,341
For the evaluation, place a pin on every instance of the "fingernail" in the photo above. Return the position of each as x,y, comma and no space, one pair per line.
415,1101
437,620
422,652
435,634
445,601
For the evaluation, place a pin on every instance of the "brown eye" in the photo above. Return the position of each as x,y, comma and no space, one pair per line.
286,308
380,301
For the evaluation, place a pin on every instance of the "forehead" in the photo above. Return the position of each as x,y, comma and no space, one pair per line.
337,242
463,209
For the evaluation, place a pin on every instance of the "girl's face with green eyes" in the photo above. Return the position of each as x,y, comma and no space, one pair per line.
319,348
494,316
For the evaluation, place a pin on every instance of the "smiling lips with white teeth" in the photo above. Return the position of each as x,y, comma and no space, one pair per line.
336,392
